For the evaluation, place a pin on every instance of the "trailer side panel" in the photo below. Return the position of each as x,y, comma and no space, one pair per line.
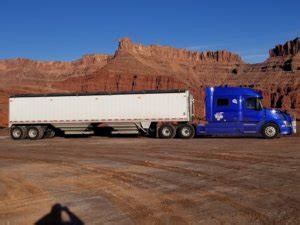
101,108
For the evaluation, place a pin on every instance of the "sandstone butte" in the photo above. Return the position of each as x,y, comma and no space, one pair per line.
138,67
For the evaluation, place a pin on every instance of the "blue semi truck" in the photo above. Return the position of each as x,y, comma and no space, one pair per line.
236,111
229,111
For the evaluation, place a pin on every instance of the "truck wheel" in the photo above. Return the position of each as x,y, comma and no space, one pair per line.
49,133
166,131
18,132
186,131
35,132
269,130
24,128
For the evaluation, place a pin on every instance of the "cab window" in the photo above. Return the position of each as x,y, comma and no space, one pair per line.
222,102
253,103
250,103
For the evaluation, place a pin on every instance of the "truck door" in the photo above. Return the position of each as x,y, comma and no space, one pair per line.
225,116
252,114
226,109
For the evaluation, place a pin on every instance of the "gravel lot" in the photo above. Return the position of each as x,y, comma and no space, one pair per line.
101,180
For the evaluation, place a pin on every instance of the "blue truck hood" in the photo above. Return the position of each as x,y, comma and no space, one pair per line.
277,114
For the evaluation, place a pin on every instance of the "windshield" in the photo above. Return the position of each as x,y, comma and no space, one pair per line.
254,103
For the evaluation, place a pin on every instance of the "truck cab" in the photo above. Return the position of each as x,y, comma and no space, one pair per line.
236,111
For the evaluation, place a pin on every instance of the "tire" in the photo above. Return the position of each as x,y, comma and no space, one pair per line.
186,131
49,133
18,132
24,128
35,132
269,130
166,131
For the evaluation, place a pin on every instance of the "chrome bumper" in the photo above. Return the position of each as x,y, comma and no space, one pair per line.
294,126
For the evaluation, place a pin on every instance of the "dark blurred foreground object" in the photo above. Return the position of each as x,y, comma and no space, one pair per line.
55,217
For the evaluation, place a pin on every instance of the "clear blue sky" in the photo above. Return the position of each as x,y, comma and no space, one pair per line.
67,29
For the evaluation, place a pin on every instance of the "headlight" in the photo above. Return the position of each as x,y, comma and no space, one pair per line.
286,124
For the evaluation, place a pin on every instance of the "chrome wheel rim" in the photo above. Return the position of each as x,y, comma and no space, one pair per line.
16,133
270,131
185,132
32,133
166,132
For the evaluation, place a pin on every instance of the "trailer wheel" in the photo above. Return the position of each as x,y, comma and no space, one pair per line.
166,131
18,132
35,132
186,131
269,130
49,133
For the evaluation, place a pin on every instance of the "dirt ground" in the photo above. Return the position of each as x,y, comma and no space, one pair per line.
101,180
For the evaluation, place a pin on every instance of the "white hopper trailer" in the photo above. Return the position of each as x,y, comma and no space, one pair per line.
161,113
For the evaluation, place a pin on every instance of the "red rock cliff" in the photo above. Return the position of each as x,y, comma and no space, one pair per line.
287,49
125,44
